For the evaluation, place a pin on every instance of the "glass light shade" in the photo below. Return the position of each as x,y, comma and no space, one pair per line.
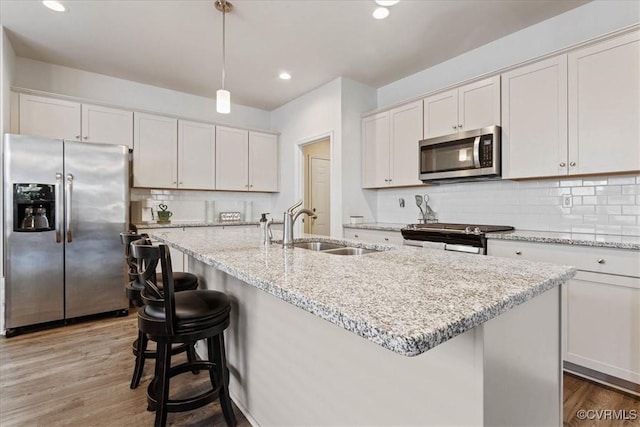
387,3
54,5
223,101
381,13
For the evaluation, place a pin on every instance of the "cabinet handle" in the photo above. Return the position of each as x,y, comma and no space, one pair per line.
390,180
518,253
562,164
386,239
86,137
355,235
78,137
572,164
174,182
454,127
180,183
600,261
250,185
459,126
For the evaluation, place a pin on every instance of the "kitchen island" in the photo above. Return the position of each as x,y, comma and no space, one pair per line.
403,336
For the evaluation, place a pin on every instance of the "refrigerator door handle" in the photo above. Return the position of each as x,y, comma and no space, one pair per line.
69,204
59,210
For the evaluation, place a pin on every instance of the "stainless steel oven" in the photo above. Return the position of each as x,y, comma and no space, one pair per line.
472,155
468,238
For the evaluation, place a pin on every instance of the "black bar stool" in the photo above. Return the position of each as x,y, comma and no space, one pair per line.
168,317
182,282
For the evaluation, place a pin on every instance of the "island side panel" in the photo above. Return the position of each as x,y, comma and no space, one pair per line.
523,364
289,367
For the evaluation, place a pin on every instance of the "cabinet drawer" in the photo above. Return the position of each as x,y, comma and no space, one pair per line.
601,260
375,236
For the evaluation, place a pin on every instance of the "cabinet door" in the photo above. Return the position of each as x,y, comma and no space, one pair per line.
479,104
107,125
49,117
604,106
155,156
534,120
406,131
375,151
441,114
196,155
232,154
601,323
263,162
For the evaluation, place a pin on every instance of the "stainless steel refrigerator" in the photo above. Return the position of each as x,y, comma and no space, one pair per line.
65,203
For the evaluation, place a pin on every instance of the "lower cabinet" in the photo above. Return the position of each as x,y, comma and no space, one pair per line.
374,236
600,309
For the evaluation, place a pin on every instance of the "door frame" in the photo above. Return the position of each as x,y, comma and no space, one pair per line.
300,181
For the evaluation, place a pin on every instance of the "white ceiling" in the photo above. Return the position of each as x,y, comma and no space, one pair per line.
177,44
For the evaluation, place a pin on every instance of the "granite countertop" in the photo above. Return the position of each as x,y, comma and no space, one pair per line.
575,239
405,299
185,224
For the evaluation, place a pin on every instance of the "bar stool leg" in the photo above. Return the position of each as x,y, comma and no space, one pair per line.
161,386
221,374
141,347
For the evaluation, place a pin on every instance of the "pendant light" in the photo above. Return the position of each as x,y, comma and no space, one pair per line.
223,97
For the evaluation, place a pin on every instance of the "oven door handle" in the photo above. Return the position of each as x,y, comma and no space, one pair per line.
476,152
463,248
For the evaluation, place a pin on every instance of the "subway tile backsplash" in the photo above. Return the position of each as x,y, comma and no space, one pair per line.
599,205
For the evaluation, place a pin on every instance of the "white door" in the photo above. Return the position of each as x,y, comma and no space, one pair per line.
155,158
107,125
263,162
604,107
534,120
441,114
375,151
320,172
49,117
196,155
232,159
406,132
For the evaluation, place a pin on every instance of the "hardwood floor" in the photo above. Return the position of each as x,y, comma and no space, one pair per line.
79,375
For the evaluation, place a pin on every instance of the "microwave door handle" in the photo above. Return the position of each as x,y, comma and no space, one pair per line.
59,211
476,152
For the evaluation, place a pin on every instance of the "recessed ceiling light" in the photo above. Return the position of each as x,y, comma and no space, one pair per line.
387,3
54,5
381,13
285,76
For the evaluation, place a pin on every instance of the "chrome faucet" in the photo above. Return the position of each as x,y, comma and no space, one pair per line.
290,217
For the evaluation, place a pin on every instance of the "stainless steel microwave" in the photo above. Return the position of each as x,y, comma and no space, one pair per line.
464,156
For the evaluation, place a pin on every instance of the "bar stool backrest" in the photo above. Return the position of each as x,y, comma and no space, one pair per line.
148,257
126,239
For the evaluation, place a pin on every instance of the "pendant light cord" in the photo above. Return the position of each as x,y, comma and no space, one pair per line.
224,10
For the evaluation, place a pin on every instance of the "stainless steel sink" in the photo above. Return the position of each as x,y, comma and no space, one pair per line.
349,251
317,246
334,248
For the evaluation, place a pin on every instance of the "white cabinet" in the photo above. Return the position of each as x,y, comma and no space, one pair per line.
601,304
534,120
107,125
155,161
574,114
196,155
374,236
604,106
57,118
465,108
49,117
246,161
263,162
390,147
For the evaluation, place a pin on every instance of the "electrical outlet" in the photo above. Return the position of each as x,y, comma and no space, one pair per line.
567,201
401,201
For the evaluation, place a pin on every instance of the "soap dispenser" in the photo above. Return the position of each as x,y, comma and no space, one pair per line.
265,229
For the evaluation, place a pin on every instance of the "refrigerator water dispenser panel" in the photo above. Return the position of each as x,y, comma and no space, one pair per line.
33,207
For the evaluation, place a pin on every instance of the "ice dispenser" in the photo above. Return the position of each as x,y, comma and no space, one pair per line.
33,207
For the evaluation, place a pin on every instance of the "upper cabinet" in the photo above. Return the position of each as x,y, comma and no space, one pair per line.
390,147
57,118
604,106
534,120
574,114
468,107
196,155
246,160
155,158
